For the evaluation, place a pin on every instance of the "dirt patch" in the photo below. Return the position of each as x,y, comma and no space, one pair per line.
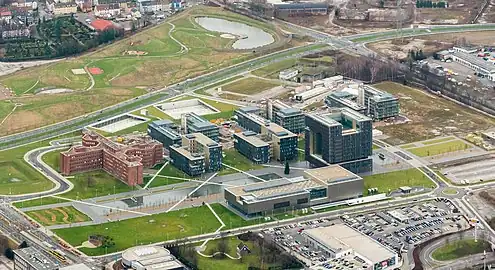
95,70
138,53
399,50
20,121
41,218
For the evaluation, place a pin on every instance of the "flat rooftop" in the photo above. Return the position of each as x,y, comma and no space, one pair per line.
37,259
185,152
275,129
475,60
274,188
251,138
331,174
336,118
348,237
378,94
204,140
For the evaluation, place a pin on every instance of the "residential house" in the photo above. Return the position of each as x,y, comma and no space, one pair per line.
107,10
65,8
13,31
152,6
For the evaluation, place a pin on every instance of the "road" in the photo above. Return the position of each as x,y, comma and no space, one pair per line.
19,223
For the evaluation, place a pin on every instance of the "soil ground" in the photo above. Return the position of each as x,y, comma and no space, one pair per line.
397,49
430,116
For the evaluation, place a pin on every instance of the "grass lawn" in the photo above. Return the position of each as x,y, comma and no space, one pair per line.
459,249
406,146
427,113
202,91
237,160
248,260
249,86
450,191
441,148
125,76
391,181
375,147
301,143
232,220
144,230
226,109
445,139
169,170
272,70
59,215
17,177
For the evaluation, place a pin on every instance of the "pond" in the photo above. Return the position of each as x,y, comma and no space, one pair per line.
249,37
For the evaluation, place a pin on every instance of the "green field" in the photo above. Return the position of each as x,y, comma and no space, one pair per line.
272,70
249,86
125,76
391,181
17,177
407,146
248,259
445,139
235,159
59,215
150,229
202,91
440,148
459,249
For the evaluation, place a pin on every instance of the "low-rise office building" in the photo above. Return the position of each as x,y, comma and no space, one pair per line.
122,157
193,123
165,131
317,186
283,143
343,137
197,155
252,147
31,258
288,74
288,117
148,258
340,241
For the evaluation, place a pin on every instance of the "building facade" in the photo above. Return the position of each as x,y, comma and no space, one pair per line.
289,118
317,186
193,123
123,158
197,155
252,147
283,143
379,105
165,131
343,137
64,8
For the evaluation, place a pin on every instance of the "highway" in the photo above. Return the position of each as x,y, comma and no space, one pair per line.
19,223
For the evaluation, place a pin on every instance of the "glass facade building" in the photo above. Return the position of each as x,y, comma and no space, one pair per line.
343,137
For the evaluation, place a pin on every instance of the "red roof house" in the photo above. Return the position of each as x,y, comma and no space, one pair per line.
102,25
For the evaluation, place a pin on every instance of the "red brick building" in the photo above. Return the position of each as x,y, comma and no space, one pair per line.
124,158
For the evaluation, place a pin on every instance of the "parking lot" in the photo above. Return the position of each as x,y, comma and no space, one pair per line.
399,229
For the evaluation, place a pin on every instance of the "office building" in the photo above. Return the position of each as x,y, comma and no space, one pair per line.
193,123
378,104
282,114
343,137
197,155
252,147
287,74
164,131
148,258
283,143
122,157
343,99
317,186
31,258
341,241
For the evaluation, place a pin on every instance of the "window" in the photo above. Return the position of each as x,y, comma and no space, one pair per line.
302,201
281,205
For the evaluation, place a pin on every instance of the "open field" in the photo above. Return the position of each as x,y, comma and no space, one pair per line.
59,215
438,149
445,139
41,110
430,116
272,70
249,86
252,259
235,159
152,229
124,76
386,182
459,249
429,43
